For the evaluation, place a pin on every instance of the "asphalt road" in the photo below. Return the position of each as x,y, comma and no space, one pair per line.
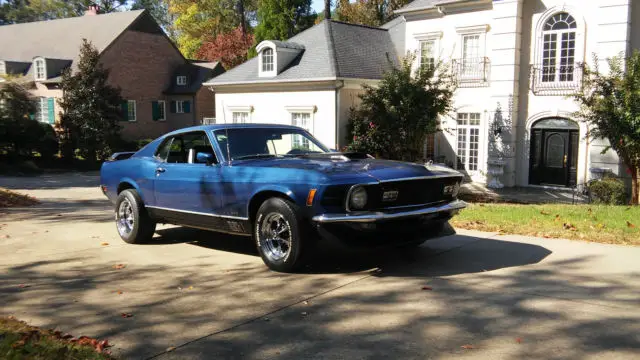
208,296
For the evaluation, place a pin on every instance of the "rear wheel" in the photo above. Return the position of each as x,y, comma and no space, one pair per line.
277,232
132,221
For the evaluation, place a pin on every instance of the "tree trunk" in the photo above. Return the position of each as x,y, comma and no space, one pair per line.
243,20
635,187
327,9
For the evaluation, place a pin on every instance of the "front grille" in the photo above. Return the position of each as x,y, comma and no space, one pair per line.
413,192
410,193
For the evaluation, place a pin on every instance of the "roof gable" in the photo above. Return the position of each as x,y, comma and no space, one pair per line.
328,50
61,38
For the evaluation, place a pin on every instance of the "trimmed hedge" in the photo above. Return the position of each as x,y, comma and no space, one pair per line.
609,191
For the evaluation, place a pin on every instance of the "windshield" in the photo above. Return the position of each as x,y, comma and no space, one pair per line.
248,143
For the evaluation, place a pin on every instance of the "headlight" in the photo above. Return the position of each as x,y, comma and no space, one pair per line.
456,190
358,198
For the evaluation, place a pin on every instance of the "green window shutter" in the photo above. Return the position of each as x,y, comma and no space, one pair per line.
173,107
155,111
125,110
52,110
187,107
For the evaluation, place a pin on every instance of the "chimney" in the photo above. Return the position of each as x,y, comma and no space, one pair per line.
92,10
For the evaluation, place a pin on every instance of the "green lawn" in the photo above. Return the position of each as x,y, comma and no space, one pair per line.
21,341
597,223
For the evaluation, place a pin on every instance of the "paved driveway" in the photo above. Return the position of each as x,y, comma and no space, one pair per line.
211,297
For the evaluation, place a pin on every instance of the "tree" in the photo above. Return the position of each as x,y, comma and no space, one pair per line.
281,19
327,9
16,109
91,109
159,9
196,21
368,12
230,49
395,117
610,106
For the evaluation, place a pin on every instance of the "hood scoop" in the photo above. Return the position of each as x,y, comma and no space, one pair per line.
336,156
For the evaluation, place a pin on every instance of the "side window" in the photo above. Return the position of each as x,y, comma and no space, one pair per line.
194,143
163,149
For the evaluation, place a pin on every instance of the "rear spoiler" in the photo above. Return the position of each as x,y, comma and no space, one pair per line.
121,155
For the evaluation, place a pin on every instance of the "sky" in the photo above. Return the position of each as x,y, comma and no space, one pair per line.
318,5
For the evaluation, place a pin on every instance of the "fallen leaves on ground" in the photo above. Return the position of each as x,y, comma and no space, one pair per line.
427,288
171,348
119,266
126,315
544,212
630,225
104,243
119,292
22,286
569,226
10,198
519,340
30,337
467,347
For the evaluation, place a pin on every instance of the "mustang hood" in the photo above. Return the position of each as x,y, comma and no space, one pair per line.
339,167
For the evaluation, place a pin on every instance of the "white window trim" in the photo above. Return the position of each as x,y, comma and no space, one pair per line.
135,110
164,110
241,112
43,109
476,175
435,37
181,80
273,72
35,69
238,108
474,30
311,109
180,106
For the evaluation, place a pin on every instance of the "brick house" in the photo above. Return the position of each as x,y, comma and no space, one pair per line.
162,89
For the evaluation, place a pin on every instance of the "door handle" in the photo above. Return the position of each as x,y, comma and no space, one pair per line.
564,161
160,170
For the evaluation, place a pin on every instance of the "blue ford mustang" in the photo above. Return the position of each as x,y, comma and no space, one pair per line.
279,185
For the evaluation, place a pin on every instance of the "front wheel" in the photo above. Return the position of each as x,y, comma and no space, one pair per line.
132,221
277,231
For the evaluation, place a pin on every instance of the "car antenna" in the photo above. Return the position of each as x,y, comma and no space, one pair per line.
226,132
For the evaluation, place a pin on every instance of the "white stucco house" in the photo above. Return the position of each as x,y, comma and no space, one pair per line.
517,63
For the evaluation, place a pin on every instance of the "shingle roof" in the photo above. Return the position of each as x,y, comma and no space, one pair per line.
196,72
332,49
424,4
61,39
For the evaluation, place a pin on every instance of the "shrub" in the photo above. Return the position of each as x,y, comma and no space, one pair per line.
608,191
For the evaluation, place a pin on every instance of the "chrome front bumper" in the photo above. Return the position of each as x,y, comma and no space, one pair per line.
371,216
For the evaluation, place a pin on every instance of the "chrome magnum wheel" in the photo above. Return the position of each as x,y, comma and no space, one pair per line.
125,218
277,233
132,221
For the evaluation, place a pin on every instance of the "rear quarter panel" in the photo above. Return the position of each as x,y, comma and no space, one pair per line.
136,171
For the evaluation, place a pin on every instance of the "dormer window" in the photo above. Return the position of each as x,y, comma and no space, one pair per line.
181,80
40,69
267,60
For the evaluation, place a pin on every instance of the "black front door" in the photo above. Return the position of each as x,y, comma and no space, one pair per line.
554,157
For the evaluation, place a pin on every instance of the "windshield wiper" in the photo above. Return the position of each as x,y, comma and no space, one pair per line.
254,156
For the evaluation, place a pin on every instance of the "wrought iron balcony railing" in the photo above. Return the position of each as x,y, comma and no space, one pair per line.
556,80
472,72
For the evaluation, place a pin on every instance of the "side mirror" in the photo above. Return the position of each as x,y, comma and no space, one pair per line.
204,158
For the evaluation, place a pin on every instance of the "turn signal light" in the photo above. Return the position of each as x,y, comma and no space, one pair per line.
312,194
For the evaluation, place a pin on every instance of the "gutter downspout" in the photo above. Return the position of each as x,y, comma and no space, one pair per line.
337,118
586,158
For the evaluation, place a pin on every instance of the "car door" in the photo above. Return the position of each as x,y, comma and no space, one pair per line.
183,186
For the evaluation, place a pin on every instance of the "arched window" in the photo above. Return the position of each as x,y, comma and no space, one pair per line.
559,48
267,60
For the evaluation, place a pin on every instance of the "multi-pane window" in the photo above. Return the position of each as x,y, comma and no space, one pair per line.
131,110
468,141
181,80
161,110
40,71
42,110
302,120
240,117
470,54
559,48
179,107
427,59
267,60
